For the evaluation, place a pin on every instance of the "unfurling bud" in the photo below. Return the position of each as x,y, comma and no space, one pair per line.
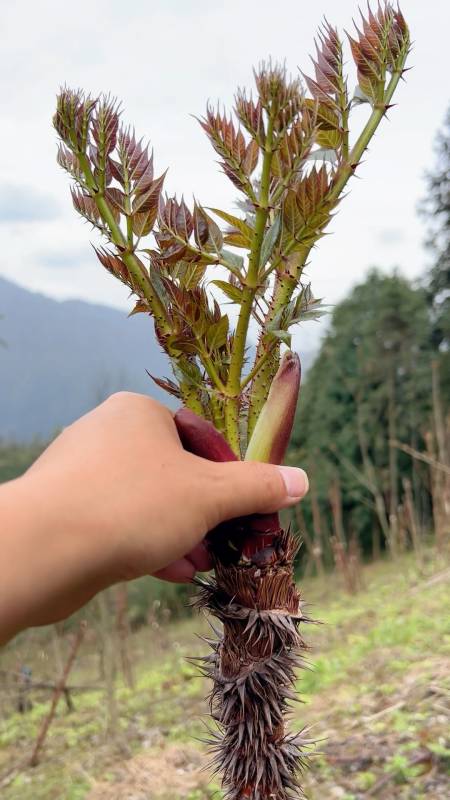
270,438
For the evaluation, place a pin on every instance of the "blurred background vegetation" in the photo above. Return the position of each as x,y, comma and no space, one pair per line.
373,421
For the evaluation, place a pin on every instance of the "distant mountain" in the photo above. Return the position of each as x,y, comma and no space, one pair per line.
59,359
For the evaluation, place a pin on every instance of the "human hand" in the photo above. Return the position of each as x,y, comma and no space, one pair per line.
115,497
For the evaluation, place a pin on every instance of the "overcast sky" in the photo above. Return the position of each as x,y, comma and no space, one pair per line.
164,59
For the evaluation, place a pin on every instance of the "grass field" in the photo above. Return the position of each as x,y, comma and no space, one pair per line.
376,696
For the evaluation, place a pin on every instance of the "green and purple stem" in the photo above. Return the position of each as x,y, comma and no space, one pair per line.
269,443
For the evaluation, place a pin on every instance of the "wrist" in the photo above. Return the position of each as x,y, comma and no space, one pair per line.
49,567
19,557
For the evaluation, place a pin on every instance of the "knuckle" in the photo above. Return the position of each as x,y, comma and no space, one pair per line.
266,477
121,398
218,477
128,399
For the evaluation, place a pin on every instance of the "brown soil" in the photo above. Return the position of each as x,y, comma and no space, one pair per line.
171,771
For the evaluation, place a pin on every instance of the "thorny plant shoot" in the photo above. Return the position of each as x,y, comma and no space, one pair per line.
289,151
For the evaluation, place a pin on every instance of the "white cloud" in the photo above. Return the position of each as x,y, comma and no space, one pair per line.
22,203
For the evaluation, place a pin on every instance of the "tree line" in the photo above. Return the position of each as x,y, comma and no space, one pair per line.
373,422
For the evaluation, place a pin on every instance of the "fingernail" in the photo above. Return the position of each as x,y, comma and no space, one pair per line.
296,482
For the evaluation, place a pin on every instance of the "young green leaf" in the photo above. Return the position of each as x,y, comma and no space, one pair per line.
216,335
239,224
269,241
232,292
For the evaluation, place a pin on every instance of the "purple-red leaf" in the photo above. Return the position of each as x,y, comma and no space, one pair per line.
116,198
149,201
201,226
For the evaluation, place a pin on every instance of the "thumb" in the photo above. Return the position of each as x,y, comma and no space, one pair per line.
248,487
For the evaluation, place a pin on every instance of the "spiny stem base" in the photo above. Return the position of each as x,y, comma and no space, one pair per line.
253,668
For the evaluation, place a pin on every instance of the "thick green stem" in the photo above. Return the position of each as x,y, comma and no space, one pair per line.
248,296
211,370
366,135
217,409
345,128
285,286
256,368
192,399
268,353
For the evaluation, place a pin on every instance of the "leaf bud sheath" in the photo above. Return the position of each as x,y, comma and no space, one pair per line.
270,438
